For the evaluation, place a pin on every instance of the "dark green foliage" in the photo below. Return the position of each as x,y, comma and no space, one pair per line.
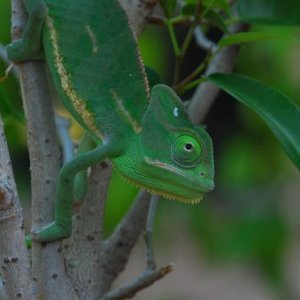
153,76
168,6
273,12
279,112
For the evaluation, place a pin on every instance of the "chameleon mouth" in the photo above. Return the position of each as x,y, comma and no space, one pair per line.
169,196
205,187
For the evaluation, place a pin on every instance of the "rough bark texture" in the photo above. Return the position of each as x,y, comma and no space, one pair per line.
83,250
47,263
14,260
138,11
148,278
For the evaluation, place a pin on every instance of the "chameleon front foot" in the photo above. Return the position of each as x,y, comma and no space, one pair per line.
52,232
17,52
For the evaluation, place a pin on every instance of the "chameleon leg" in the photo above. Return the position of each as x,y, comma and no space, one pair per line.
30,46
62,225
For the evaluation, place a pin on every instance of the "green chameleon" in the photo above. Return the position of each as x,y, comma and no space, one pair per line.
92,56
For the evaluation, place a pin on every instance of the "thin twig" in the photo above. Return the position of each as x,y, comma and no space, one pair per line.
203,42
148,236
206,93
156,20
180,55
117,248
183,85
173,38
145,280
3,57
3,54
63,125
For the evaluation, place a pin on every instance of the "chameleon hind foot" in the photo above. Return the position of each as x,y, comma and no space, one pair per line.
53,232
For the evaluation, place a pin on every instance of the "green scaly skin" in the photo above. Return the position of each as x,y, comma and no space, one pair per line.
98,73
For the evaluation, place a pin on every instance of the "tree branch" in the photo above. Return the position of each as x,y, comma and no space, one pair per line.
138,12
83,249
148,235
4,58
116,250
3,55
145,280
203,42
63,125
206,93
16,276
47,263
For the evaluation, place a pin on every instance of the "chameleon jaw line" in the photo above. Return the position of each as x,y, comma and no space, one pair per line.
160,193
170,168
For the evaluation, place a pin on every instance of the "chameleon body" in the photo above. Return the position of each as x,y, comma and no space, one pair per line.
97,71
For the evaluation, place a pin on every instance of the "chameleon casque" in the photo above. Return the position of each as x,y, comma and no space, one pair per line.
97,71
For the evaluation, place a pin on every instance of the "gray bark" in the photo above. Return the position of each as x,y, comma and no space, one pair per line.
83,249
47,263
14,260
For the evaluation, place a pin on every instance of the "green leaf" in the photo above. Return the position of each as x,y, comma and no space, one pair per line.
153,76
244,37
219,4
279,112
6,108
215,19
188,9
224,5
209,9
275,12
191,1
168,7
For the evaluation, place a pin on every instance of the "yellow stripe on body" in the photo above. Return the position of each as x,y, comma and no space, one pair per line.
125,113
65,78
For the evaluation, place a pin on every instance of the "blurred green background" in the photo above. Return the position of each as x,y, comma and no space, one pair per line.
249,219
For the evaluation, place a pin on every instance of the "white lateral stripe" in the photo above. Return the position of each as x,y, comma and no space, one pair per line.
135,125
92,37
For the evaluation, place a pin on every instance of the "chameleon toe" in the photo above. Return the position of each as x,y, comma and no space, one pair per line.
52,232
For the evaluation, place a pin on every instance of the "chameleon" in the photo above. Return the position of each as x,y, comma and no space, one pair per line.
97,70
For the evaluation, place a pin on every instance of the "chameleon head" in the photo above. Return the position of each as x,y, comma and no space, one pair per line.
170,156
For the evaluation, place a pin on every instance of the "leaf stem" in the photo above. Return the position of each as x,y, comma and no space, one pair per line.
173,37
190,85
180,55
182,85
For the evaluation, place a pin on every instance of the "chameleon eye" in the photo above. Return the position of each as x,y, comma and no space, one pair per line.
188,147
186,151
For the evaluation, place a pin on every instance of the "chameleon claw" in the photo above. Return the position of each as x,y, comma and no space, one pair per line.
28,241
52,232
